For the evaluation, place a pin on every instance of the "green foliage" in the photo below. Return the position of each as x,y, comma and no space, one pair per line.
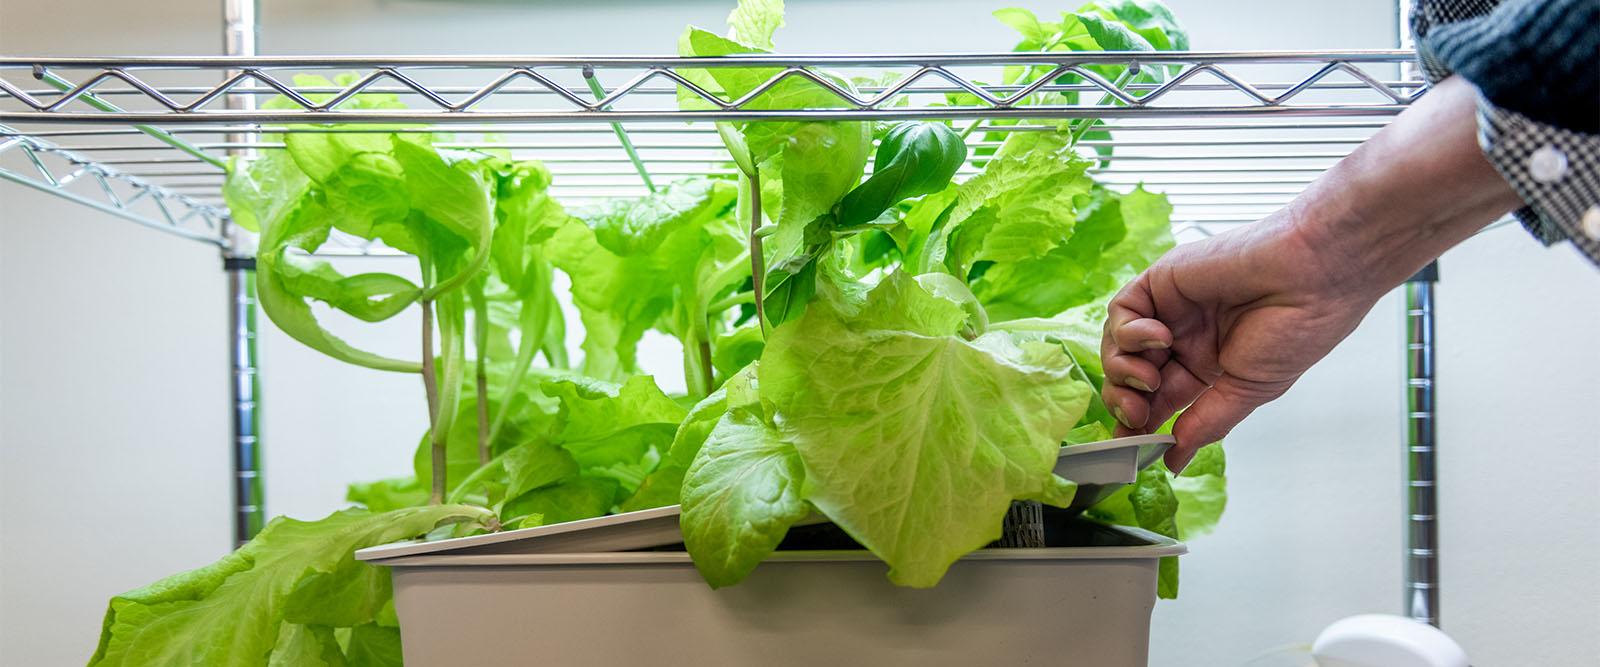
903,353
895,417
277,597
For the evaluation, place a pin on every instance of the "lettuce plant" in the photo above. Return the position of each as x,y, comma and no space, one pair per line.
902,352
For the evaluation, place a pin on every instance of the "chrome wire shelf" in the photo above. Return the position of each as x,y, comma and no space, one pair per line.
1229,136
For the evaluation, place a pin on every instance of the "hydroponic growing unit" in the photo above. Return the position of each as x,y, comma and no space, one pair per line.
1230,137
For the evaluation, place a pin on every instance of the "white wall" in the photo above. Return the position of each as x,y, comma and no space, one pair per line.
118,450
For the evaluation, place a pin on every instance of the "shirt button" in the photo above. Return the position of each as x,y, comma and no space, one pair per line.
1547,165
1591,222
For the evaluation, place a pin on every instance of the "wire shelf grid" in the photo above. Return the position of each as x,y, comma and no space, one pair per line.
1228,136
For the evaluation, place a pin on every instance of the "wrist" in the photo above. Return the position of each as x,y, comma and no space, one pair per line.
1417,188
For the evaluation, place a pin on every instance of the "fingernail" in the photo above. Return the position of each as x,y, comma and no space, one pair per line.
1136,383
1178,469
1117,412
1154,344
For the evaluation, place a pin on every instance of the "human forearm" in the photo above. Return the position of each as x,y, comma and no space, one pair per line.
1409,193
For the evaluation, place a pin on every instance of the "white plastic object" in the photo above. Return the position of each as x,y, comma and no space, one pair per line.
1382,640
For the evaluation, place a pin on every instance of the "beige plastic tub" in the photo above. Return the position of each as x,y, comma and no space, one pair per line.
1084,602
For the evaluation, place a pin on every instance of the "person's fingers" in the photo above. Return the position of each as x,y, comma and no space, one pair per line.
1126,402
1130,408
1133,372
1179,388
1140,334
1215,413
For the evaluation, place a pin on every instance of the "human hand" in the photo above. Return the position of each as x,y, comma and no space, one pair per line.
1231,323
1226,324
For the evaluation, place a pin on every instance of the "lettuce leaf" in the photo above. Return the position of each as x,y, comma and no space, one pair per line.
741,494
915,440
233,612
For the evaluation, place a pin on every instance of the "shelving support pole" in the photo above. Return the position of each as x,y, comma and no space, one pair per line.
249,502
1422,507
1422,483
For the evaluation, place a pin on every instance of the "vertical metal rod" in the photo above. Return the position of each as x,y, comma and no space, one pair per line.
1422,483
249,500
622,135
1422,507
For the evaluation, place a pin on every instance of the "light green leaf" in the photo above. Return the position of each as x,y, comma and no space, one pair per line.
1020,207
229,612
696,260
1202,492
1089,268
527,421
1058,492
306,646
595,409
916,444
581,498
1024,22
753,22
388,494
736,349
662,487
374,645
1112,35
535,465
740,497
902,303
640,226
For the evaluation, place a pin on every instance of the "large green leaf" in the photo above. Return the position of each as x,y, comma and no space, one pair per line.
1116,237
231,612
740,497
1020,208
688,253
581,498
916,443
662,487
639,226
374,645
306,646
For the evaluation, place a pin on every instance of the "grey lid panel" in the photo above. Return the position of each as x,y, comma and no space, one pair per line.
1098,467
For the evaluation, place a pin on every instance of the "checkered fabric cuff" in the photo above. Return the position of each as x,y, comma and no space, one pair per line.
1556,171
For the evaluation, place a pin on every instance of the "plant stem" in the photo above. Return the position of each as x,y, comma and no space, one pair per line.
483,412
705,365
467,483
430,384
1083,126
480,345
968,132
730,301
757,269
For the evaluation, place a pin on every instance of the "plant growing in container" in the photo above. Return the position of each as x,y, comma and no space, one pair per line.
850,343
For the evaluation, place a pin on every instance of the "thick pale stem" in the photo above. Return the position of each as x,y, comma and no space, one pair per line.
705,365
430,384
757,269
483,413
480,345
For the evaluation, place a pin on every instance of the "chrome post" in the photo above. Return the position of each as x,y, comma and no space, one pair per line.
249,500
1422,507
1422,483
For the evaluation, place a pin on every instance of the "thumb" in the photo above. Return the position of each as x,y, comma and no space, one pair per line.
1215,413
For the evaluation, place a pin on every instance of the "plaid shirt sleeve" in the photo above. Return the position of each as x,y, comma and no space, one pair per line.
1555,169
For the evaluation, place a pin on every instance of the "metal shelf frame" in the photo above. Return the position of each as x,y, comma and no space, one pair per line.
1229,136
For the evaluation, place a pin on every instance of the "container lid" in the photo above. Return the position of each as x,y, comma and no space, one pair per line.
1099,468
